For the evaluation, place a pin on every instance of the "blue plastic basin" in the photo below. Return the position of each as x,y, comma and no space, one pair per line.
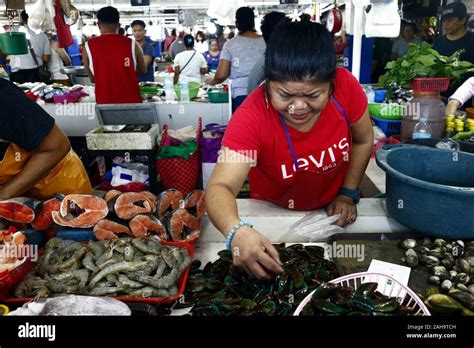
430,190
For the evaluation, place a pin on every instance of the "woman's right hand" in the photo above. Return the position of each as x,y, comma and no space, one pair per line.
452,107
255,254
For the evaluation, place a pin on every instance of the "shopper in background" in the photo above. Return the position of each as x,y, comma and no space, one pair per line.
177,46
340,44
213,56
381,55
304,140
462,95
113,61
24,67
169,40
457,36
239,55
257,74
230,36
201,44
189,63
408,36
36,159
139,33
59,59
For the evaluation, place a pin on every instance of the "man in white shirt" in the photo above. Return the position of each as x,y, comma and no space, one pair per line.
189,63
24,67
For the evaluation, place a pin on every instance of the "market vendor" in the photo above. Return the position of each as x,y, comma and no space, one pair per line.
113,61
304,138
36,159
460,97
454,19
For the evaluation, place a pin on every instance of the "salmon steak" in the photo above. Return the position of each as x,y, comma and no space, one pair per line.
108,229
111,197
183,226
80,211
44,213
144,225
168,201
20,209
195,203
130,204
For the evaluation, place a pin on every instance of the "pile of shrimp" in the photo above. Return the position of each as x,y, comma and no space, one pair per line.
125,267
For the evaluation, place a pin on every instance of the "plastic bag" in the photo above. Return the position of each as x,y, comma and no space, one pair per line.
317,226
126,173
383,20
73,305
37,15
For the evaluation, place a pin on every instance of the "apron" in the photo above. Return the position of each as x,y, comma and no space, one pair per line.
69,175
314,183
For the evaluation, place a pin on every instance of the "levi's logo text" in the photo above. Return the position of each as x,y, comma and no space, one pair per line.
321,161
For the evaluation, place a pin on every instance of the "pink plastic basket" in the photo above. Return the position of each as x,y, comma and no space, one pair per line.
387,286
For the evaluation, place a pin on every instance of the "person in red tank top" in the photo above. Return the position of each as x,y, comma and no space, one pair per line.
113,61
304,140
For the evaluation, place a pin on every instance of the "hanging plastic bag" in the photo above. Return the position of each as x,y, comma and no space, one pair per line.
383,19
317,226
37,15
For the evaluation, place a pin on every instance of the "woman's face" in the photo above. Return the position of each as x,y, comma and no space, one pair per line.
300,103
213,46
409,32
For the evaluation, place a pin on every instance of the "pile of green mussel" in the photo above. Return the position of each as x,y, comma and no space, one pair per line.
335,299
220,288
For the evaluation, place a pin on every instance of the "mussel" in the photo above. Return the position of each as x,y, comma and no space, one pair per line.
408,244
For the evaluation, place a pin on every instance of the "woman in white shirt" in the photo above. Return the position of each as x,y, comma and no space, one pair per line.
189,63
59,59
201,44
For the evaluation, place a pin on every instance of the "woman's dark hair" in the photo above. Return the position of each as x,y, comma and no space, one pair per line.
188,41
173,32
245,19
201,34
269,22
108,15
300,51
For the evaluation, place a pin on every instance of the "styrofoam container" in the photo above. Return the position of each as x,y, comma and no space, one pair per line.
98,140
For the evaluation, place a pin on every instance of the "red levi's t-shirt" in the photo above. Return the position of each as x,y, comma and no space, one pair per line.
255,130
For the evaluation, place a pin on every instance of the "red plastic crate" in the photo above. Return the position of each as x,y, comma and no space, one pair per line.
434,84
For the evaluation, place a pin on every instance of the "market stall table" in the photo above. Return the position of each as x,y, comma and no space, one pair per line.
275,223
76,120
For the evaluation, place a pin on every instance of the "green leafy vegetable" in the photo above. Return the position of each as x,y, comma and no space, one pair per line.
421,61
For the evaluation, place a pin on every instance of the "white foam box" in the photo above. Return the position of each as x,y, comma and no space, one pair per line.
98,140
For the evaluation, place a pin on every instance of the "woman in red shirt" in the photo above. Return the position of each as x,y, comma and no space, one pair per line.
304,139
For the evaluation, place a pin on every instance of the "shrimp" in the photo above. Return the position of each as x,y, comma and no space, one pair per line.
149,292
123,266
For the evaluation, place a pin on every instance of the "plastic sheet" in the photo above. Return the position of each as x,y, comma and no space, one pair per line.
317,226
73,305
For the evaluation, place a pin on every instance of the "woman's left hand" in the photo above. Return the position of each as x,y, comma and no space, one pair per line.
345,206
